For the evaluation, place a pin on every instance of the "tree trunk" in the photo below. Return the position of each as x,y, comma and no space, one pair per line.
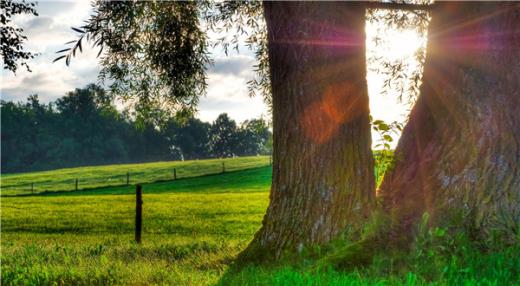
459,155
323,176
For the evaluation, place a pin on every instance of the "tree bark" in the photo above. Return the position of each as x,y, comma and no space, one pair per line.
323,176
459,155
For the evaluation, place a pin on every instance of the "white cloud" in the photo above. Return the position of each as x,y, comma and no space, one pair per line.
227,92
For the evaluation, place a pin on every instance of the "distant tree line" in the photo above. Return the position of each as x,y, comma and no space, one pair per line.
85,128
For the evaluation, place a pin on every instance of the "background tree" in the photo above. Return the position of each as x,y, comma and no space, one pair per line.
223,137
85,128
81,128
190,137
458,155
253,136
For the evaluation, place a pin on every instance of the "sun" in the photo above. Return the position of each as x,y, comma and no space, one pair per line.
390,44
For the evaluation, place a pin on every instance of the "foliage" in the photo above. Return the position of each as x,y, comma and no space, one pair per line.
253,138
12,37
227,139
85,128
223,136
78,129
153,53
190,138
193,231
158,76
384,155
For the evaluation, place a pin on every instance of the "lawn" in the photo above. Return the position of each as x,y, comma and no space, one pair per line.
193,230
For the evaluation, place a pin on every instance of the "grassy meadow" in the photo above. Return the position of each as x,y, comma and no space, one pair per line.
116,175
193,230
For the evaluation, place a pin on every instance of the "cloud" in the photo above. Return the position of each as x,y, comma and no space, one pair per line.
39,24
227,92
237,65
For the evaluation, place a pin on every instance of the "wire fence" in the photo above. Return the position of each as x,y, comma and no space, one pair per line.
103,176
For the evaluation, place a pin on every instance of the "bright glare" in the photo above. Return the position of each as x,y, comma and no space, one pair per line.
390,44
401,44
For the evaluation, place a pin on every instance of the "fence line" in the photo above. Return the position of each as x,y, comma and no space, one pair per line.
124,179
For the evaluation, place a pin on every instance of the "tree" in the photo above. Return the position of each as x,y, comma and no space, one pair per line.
253,136
81,128
223,139
323,180
12,37
190,138
458,156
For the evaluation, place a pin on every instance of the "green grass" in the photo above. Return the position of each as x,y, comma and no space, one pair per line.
115,175
192,232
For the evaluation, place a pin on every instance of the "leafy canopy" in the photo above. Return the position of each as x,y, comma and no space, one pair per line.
14,54
153,53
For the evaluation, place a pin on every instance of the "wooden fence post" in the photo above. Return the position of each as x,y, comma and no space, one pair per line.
138,212
76,184
174,173
127,178
223,167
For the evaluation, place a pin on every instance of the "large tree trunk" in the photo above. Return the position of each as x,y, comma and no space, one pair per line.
323,176
459,155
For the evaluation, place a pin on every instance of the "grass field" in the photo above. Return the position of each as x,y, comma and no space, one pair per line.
114,175
192,232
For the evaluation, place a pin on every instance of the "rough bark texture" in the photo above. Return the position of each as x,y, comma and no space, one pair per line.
459,155
323,178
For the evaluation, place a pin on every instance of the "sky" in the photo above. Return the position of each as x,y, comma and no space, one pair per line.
227,78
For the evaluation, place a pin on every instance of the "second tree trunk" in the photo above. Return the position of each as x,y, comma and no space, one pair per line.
459,155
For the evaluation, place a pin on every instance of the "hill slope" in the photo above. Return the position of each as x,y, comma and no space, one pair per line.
116,175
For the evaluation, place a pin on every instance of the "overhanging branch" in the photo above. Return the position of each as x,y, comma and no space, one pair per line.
399,6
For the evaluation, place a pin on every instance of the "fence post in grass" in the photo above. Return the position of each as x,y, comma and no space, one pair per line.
127,178
76,184
223,167
138,212
174,173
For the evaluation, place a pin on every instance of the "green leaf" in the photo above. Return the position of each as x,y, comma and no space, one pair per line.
78,30
64,50
58,58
